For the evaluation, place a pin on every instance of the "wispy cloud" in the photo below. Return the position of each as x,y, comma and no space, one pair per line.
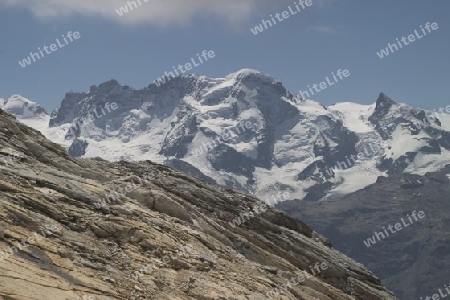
328,30
157,12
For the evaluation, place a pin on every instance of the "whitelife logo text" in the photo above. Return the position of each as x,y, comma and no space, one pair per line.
265,24
411,38
187,67
398,226
323,85
53,47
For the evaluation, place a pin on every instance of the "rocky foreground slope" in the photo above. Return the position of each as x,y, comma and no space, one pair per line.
164,235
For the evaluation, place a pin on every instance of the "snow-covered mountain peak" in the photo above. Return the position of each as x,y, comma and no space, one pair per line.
196,124
245,73
22,107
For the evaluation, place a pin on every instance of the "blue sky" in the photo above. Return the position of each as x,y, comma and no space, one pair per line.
140,46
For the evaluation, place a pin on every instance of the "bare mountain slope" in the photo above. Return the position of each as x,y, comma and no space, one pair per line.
165,235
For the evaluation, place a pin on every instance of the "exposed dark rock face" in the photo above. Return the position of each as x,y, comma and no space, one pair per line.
383,108
222,157
181,134
76,243
78,148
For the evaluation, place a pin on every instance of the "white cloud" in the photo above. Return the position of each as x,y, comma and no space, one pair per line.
157,12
